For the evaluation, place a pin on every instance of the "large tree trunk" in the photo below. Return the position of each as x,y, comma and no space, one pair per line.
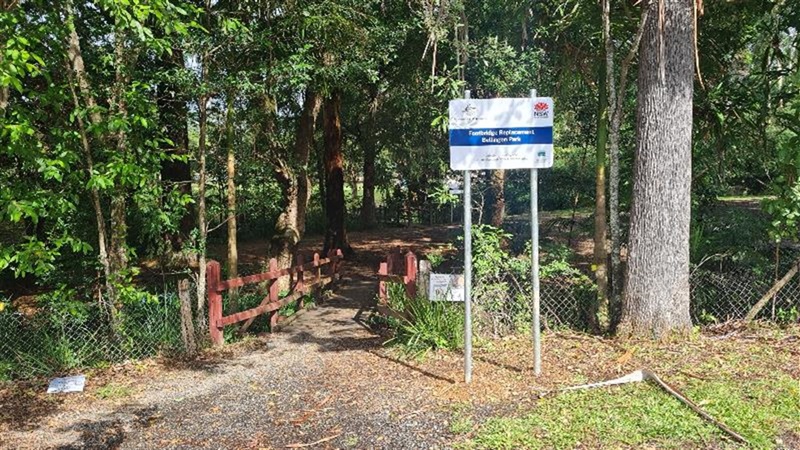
656,300
335,209
498,201
291,224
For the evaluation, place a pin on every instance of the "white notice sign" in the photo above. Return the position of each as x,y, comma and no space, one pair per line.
501,133
446,287
66,384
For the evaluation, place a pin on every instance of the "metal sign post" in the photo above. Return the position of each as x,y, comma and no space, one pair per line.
467,272
537,339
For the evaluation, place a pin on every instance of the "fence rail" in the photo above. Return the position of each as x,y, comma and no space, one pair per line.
298,288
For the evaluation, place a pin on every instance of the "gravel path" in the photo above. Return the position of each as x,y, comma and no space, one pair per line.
324,381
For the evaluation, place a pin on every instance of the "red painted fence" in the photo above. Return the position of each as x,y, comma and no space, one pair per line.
398,268
299,287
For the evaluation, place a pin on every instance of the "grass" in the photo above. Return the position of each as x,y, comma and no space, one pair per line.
752,385
642,415
113,391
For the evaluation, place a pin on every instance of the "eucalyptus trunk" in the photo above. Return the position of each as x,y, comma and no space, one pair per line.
656,300
202,222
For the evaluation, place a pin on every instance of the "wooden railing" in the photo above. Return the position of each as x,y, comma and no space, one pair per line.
299,287
398,268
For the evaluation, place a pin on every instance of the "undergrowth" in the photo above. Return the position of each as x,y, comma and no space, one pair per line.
428,325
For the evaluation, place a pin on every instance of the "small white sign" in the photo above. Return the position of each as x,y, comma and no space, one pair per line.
446,287
501,133
66,384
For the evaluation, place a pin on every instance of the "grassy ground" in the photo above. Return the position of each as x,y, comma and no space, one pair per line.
748,378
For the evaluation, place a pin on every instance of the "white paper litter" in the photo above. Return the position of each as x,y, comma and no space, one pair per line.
66,384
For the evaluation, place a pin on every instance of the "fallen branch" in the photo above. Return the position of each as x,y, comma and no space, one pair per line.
645,375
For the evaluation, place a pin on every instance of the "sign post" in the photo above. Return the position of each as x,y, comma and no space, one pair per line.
467,272
502,133
536,329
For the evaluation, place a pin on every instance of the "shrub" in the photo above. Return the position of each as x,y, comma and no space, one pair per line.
429,325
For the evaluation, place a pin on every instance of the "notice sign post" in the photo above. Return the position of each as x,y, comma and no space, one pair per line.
501,133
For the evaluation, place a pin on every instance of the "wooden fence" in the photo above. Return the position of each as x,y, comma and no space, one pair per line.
299,287
398,268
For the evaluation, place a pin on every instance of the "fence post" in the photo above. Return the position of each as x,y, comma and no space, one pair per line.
339,258
411,274
214,303
383,269
424,277
332,269
319,270
300,284
390,263
273,295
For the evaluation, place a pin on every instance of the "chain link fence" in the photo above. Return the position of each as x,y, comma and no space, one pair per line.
503,302
724,289
46,340
721,291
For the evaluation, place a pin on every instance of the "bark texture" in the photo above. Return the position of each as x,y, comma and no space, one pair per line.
233,247
602,317
498,199
202,223
335,209
656,300
291,224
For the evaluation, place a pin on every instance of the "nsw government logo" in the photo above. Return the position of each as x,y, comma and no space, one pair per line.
541,110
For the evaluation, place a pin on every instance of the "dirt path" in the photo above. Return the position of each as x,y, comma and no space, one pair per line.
325,378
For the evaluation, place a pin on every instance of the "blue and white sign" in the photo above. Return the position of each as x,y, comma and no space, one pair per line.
501,133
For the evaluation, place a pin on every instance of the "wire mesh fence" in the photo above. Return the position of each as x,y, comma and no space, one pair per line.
722,291
725,289
51,340
503,301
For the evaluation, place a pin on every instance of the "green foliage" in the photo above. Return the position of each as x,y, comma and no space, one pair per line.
503,288
114,391
429,325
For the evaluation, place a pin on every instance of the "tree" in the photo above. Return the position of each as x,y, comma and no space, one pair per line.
333,162
656,299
